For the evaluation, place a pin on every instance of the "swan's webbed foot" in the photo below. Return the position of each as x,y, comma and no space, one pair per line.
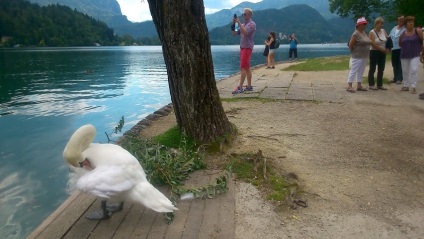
114,207
99,215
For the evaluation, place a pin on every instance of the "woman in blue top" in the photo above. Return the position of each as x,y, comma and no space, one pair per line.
293,47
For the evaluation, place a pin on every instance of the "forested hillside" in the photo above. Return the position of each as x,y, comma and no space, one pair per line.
306,22
54,25
218,19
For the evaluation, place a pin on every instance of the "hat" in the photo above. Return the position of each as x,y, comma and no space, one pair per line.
361,20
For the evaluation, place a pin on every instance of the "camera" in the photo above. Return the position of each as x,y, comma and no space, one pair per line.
236,26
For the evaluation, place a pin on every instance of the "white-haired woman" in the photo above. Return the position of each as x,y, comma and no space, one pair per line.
377,58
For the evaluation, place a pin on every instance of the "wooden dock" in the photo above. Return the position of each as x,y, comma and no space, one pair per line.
197,218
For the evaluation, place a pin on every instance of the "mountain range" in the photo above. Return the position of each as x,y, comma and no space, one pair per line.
311,29
310,19
220,18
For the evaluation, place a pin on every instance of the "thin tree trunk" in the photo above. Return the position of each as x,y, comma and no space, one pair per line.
182,29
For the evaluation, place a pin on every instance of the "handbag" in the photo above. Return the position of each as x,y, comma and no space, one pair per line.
266,51
389,43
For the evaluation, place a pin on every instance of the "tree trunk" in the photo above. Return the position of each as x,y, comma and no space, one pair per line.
182,29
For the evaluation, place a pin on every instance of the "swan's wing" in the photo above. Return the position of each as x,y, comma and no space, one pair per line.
107,181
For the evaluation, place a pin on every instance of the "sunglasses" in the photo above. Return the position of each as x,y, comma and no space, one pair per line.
244,14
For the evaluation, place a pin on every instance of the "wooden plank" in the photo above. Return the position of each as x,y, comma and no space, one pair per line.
226,218
130,222
176,228
194,219
107,228
142,228
54,215
83,227
66,218
160,226
195,214
209,228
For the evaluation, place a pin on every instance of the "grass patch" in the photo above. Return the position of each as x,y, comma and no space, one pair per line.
173,138
275,187
337,63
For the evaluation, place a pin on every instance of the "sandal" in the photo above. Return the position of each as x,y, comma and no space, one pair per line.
351,90
361,89
413,91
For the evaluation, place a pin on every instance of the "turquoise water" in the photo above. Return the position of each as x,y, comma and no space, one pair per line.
46,93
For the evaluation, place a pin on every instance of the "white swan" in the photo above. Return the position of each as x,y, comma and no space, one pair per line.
111,172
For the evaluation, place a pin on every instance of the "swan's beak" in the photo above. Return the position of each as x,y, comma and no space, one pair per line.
86,164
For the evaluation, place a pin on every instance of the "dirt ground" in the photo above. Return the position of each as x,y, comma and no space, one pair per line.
360,163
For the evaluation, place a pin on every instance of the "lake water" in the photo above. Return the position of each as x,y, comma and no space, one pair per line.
47,93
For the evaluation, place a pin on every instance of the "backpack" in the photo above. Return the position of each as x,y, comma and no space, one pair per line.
416,32
277,43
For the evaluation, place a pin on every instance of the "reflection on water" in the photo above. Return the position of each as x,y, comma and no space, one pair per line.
46,93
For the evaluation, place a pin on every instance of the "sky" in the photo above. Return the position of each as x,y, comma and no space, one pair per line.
138,11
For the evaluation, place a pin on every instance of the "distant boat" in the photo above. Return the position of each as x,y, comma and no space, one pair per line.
97,44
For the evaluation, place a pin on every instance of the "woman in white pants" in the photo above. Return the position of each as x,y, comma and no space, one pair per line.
411,44
359,46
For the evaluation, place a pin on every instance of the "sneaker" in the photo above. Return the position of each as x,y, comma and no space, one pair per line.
237,90
381,88
373,88
414,91
404,89
398,82
248,88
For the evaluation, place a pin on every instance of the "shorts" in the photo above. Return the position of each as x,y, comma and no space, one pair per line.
271,51
291,51
245,55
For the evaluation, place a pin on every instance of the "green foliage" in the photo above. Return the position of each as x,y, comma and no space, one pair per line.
55,25
163,165
208,191
355,8
410,8
117,129
386,8
338,63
